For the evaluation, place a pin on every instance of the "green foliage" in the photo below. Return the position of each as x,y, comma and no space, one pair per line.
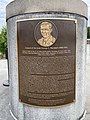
88,32
3,40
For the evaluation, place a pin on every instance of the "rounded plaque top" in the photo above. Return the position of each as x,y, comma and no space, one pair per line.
17,7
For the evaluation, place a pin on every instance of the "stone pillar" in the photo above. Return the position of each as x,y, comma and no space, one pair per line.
28,9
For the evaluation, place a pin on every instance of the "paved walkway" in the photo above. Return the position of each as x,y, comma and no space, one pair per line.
4,91
4,97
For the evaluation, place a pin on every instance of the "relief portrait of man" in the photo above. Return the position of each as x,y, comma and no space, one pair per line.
46,31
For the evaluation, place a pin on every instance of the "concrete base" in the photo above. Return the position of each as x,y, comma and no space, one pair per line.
81,118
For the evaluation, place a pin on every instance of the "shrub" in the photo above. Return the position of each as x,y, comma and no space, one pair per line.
3,41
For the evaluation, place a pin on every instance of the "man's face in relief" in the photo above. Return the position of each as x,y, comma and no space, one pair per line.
46,30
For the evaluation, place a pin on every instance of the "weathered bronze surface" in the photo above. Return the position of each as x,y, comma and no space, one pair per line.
46,61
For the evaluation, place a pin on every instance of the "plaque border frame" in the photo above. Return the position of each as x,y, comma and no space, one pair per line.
45,18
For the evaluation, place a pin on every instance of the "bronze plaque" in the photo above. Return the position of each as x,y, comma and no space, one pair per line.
46,61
